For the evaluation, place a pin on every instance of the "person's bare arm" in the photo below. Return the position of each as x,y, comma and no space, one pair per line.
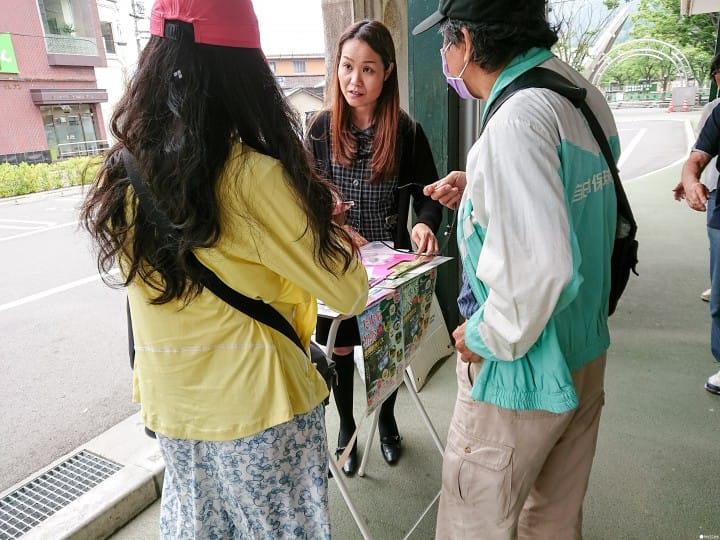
690,188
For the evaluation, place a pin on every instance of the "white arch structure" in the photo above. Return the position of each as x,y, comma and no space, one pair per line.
653,48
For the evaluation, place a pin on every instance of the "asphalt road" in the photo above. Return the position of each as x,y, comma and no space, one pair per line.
64,359
65,373
652,139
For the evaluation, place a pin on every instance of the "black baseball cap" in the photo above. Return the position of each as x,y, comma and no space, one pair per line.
472,11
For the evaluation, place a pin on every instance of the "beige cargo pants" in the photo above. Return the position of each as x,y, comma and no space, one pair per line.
518,474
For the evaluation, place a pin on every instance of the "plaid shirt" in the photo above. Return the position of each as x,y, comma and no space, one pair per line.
378,206
374,214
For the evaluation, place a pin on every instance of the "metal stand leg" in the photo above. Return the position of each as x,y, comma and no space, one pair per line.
359,521
368,442
423,412
422,516
435,437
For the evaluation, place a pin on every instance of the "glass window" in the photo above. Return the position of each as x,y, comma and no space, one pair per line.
49,124
107,33
70,130
69,26
138,8
299,66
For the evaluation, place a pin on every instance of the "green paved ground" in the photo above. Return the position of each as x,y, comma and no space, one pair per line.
658,461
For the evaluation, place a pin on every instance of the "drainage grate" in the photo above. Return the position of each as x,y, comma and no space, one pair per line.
37,500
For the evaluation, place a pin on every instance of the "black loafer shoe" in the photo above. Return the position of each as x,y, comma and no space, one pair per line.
351,463
391,448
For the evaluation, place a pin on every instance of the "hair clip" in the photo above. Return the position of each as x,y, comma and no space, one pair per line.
177,74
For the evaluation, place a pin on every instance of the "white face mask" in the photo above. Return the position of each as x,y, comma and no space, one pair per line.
456,83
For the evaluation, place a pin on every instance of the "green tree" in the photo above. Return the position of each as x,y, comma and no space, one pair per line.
695,35
579,23
645,68
619,74
635,70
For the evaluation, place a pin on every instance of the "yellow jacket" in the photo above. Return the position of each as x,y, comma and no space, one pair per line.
209,372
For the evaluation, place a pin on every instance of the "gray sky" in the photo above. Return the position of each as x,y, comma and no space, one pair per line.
290,26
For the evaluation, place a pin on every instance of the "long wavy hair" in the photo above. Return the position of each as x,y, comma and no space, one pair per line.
384,162
183,110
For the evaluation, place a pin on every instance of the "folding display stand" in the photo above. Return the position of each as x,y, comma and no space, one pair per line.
366,452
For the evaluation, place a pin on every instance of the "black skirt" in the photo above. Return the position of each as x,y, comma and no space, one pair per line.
348,334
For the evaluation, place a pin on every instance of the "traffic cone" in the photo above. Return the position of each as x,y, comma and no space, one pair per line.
685,106
670,107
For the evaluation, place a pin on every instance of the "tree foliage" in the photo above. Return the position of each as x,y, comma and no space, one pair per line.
661,19
632,71
695,35
579,23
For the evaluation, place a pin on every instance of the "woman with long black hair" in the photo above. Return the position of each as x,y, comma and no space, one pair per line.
237,407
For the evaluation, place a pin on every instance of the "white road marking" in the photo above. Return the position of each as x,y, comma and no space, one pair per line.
20,227
689,137
690,134
652,173
29,222
54,290
37,231
625,153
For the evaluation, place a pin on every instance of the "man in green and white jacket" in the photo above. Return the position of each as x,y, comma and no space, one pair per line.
537,214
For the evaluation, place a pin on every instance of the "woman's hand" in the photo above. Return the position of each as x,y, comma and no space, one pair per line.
339,209
425,240
449,190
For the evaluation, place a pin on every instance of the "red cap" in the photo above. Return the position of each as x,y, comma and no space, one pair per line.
229,23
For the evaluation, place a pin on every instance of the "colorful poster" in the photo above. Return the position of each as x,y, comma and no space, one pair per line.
396,315
416,299
381,332
390,330
380,259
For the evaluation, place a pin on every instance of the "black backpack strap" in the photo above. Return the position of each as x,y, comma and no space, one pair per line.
254,308
257,309
154,214
131,339
538,78
545,78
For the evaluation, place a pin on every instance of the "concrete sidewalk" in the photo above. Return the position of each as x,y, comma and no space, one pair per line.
108,505
655,473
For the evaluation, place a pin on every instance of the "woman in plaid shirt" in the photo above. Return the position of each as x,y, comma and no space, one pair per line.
377,157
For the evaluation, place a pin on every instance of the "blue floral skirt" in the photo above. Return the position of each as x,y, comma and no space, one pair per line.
273,484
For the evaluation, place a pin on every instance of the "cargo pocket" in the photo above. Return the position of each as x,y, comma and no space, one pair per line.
478,474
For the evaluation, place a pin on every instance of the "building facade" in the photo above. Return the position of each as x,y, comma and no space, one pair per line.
50,103
125,27
305,101
298,70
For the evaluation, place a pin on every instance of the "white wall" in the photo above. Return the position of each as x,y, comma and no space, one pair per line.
304,102
130,34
